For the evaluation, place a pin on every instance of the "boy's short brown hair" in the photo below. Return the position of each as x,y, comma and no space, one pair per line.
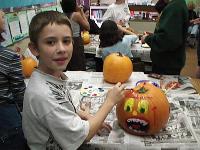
42,19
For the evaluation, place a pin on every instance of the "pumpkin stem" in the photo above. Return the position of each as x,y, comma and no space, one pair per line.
120,54
142,90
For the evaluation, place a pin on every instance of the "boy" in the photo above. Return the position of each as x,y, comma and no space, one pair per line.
50,120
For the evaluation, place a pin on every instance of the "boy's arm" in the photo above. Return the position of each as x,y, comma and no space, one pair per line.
113,97
16,79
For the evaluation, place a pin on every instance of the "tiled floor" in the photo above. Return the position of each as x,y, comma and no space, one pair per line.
191,62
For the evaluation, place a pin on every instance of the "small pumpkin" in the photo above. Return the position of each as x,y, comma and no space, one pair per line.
144,110
86,37
28,65
117,68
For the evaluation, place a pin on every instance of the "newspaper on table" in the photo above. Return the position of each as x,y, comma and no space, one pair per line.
181,132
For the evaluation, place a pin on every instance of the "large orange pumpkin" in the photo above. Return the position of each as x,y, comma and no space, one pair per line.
28,65
117,68
144,111
86,37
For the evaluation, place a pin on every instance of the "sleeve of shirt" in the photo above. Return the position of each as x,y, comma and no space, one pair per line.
108,14
105,52
130,39
67,128
169,31
128,14
16,80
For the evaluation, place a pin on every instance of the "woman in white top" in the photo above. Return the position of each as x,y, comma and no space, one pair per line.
118,12
78,20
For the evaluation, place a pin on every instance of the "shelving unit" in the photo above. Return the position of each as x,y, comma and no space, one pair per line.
97,12
138,12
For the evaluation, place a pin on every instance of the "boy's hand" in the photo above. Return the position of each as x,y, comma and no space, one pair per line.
115,94
105,129
84,112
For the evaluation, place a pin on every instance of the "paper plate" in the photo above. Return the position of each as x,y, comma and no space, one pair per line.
145,45
92,91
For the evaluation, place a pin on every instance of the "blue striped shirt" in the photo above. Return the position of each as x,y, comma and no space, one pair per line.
12,84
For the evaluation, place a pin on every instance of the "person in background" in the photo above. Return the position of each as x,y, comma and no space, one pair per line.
50,118
160,5
167,43
197,22
94,29
193,28
78,21
118,12
12,89
112,39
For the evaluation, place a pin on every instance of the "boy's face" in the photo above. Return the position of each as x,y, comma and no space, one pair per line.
54,48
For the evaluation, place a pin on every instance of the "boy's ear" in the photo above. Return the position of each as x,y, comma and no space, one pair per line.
33,49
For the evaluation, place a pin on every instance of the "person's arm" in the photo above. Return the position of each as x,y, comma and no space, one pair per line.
169,31
128,14
124,30
16,80
84,113
81,19
114,96
195,21
108,15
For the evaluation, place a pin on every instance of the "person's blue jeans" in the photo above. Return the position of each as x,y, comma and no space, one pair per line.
198,48
193,30
11,134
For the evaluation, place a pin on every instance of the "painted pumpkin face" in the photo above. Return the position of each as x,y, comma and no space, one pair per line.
144,111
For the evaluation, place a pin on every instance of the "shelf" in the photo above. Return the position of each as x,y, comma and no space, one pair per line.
149,8
98,7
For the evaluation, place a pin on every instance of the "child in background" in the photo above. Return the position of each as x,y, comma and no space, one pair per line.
12,89
94,29
112,39
50,119
79,21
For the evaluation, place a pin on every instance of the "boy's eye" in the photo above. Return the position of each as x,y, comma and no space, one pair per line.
67,41
50,42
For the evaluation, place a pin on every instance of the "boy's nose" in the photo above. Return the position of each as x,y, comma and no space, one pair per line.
61,47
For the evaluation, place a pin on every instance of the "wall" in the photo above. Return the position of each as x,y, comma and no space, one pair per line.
20,46
141,26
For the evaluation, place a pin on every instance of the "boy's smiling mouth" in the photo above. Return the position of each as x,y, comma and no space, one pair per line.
60,61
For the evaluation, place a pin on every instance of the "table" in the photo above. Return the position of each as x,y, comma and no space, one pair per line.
137,49
182,131
196,84
141,55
